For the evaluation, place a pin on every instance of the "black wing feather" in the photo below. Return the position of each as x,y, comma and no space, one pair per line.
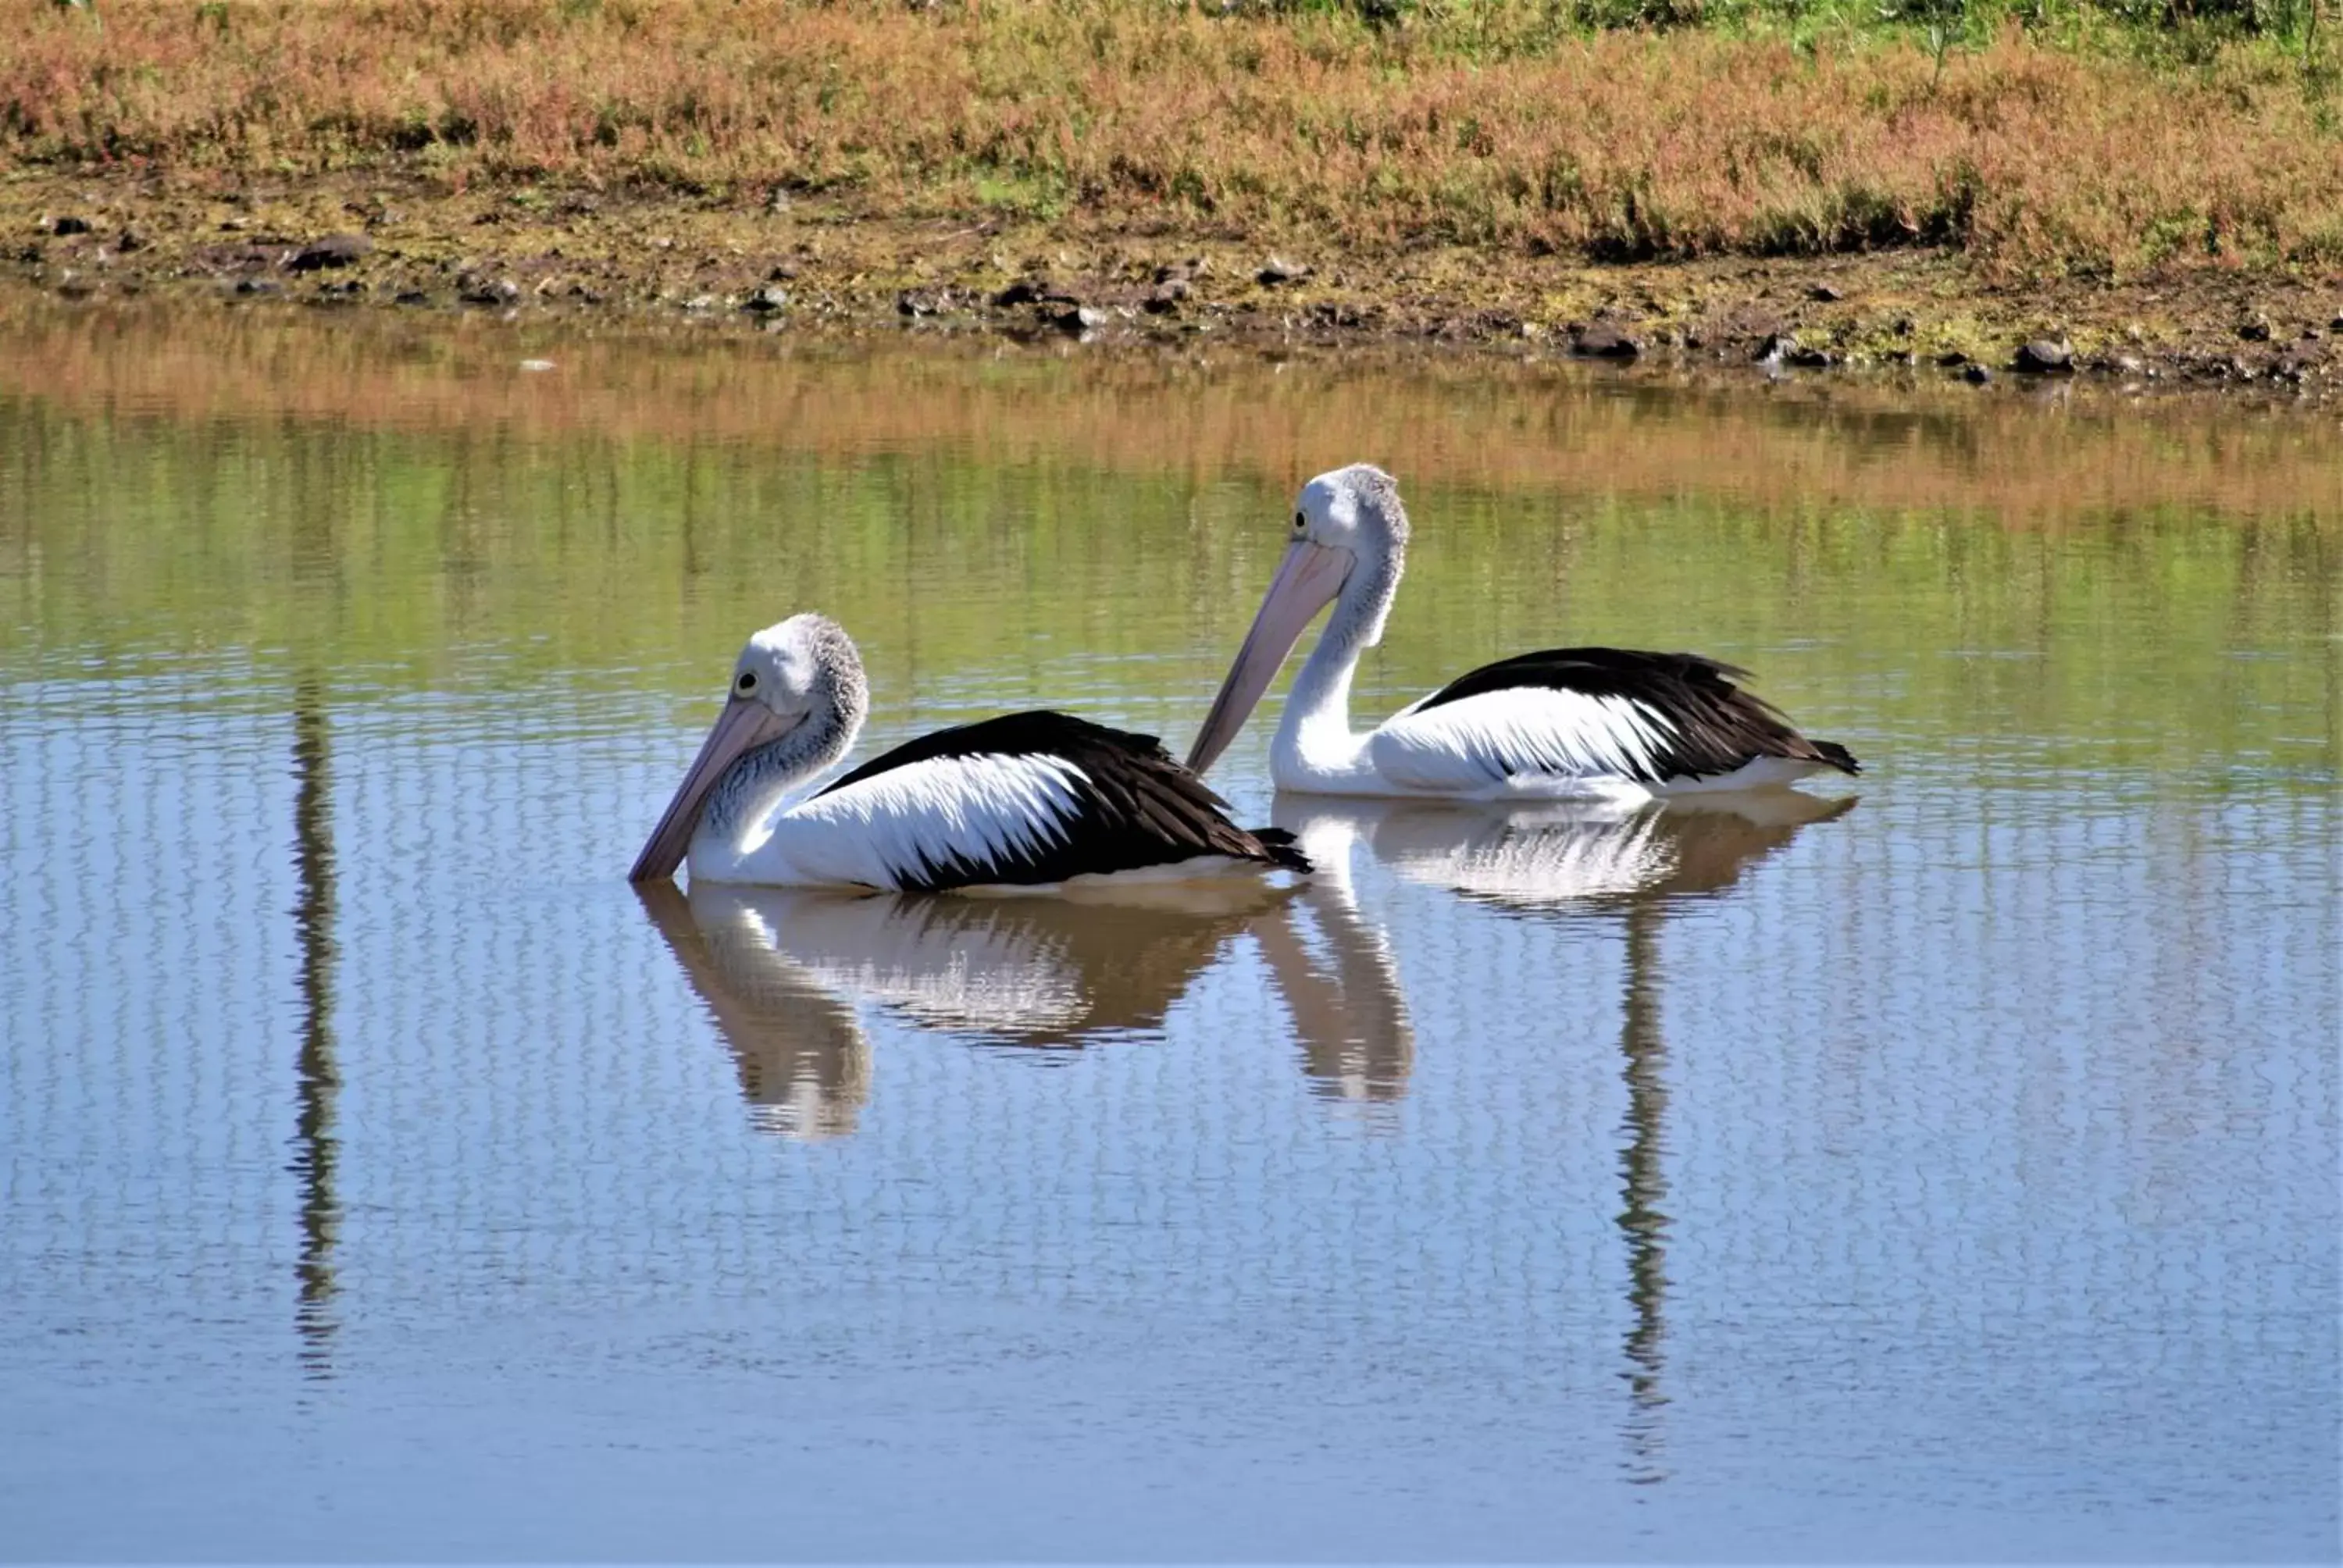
1135,807
1716,726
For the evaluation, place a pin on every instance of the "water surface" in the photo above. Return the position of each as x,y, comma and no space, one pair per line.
1943,1168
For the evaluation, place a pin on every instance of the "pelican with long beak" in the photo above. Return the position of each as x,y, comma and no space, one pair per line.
1567,723
1029,801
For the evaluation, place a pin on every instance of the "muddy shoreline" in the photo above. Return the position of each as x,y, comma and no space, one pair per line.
821,268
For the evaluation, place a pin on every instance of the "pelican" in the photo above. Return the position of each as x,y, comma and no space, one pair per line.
1562,723
1032,801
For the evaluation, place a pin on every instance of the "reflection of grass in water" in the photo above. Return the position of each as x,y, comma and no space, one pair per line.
1097,534
2037,138
1830,444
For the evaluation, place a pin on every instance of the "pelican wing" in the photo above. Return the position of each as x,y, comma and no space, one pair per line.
1025,799
1590,713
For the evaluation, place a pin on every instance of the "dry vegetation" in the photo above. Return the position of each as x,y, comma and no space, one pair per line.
1477,129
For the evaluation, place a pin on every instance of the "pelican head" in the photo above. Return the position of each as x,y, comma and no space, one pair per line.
800,682
1349,541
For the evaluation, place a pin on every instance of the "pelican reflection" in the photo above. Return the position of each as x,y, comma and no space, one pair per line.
1581,860
786,973
1561,856
1332,964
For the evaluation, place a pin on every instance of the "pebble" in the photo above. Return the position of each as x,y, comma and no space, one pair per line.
69,225
2254,330
2042,357
1602,340
1078,319
1166,297
1824,293
766,300
497,291
1024,291
333,250
1975,375
1278,269
537,363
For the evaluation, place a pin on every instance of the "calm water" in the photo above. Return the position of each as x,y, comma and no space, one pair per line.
1945,1172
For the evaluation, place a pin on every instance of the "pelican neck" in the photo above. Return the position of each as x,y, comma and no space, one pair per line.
1315,737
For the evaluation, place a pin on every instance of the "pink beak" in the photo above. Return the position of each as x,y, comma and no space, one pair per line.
1306,582
744,725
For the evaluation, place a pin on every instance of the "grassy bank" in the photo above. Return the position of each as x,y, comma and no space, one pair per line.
2089,145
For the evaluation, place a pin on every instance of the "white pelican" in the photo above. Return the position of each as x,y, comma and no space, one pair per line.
1568,723
1029,801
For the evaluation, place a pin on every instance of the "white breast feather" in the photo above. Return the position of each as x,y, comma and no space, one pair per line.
1476,742
885,830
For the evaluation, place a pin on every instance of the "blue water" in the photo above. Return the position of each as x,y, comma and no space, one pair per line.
1953,1177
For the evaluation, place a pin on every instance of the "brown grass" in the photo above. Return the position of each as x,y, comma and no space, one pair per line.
2032,159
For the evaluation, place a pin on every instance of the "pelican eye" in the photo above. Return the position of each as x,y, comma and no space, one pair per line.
1299,522
747,681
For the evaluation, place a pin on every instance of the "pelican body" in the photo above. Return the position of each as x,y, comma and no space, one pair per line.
1561,723
1035,801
